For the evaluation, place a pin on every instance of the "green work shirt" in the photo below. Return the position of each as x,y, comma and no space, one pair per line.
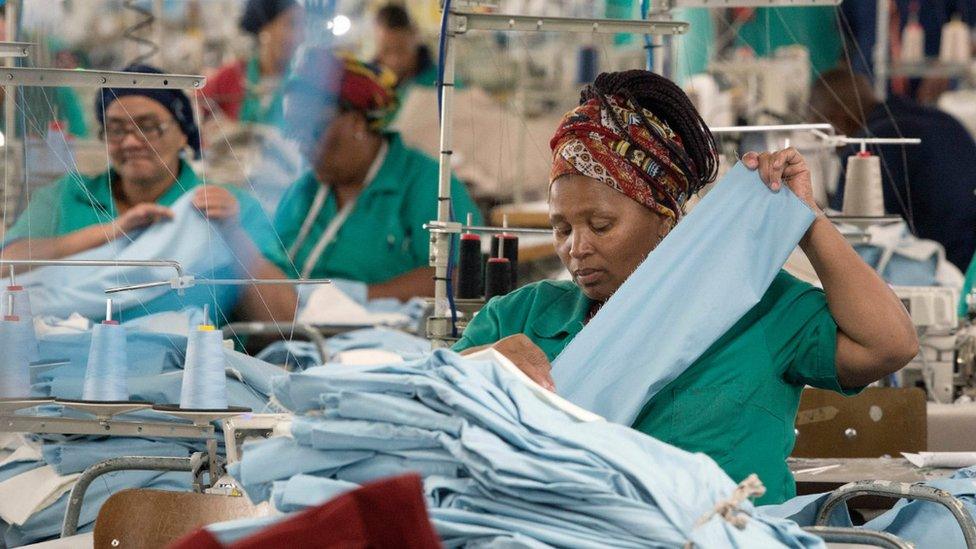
967,287
384,235
76,201
252,110
813,27
737,403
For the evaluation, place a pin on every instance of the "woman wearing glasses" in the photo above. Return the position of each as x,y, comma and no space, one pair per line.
146,132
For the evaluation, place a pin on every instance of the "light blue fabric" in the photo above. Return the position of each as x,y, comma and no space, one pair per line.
77,455
301,355
155,376
500,466
743,232
60,291
294,355
385,339
354,289
907,271
46,523
926,524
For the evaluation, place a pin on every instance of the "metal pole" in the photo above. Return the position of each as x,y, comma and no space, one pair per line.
167,263
439,241
9,112
70,525
664,50
881,51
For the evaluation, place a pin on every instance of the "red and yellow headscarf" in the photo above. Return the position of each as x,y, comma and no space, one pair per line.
609,141
368,88
341,79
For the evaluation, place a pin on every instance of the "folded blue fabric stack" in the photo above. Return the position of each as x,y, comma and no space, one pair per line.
155,375
300,355
501,465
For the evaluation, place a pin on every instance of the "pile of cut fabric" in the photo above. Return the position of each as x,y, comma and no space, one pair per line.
503,462
36,472
923,523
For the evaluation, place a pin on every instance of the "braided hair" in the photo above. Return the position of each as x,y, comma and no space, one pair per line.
698,157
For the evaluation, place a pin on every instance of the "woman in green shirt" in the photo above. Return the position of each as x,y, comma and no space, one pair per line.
145,132
358,216
624,162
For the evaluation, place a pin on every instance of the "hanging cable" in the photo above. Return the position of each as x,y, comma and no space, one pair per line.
133,33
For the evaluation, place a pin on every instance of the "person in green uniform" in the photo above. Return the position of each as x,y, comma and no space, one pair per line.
398,48
624,162
251,90
814,27
358,216
145,132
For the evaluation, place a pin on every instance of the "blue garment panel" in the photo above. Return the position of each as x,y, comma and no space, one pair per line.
906,271
60,291
148,353
297,355
155,369
301,491
77,455
924,523
928,524
386,339
303,354
15,468
870,254
719,279
501,466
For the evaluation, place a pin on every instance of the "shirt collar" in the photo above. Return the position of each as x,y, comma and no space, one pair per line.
98,191
564,315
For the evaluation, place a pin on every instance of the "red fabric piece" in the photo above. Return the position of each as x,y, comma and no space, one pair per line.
198,539
226,89
389,513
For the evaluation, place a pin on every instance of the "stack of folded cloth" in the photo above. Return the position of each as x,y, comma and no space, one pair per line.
503,461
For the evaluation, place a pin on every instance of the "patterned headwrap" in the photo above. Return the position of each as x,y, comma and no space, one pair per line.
368,88
341,79
632,159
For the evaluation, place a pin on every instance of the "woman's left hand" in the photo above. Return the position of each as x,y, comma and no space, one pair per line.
216,203
784,166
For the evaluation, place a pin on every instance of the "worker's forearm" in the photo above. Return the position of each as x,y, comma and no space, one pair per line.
867,312
416,283
61,246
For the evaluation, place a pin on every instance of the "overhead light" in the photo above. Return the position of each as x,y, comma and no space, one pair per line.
340,25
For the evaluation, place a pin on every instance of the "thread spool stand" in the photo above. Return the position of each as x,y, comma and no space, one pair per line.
470,273
22,309
203,395
105,392
863,193
15,365
498,275
913,39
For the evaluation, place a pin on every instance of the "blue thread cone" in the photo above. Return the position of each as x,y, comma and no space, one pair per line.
204,382
14,359
105,375
22,309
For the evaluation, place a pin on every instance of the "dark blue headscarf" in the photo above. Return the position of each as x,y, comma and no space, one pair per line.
259,13
175,101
